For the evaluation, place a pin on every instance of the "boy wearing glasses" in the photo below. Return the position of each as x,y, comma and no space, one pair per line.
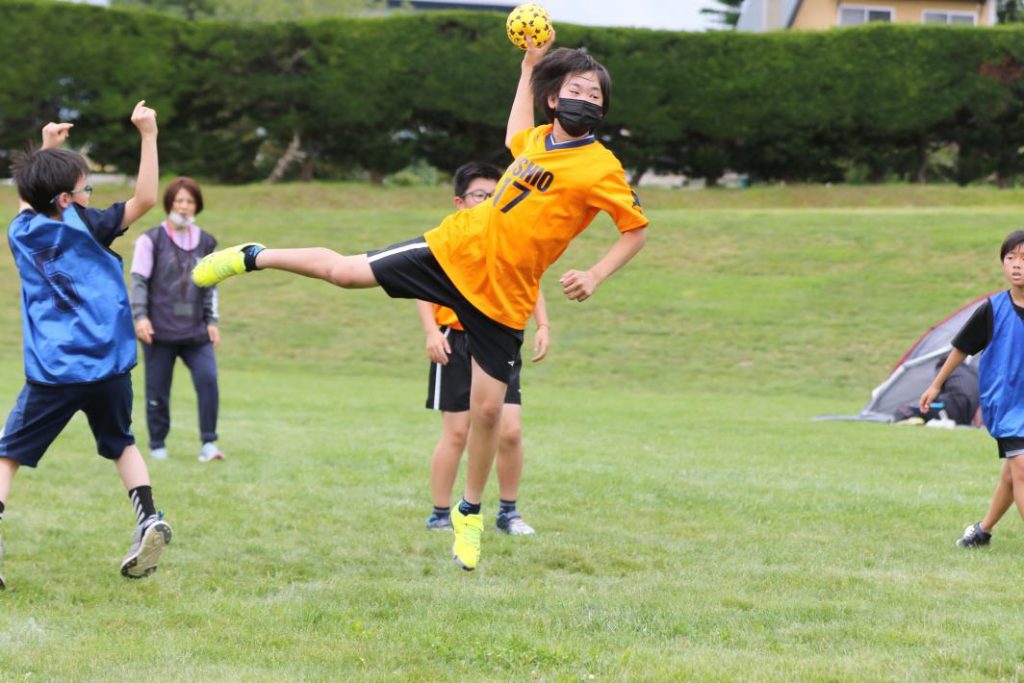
450,380
79,340
486,262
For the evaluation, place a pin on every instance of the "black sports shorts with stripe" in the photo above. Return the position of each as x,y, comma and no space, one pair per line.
408,270
448,385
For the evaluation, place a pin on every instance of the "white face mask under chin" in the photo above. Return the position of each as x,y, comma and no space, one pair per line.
181,221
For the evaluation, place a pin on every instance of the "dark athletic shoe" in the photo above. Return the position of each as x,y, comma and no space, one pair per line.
513,525
974,537
439,523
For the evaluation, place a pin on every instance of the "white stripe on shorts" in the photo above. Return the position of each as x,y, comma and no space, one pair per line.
396,250
437,378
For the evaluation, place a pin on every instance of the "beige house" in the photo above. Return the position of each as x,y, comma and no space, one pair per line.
771,15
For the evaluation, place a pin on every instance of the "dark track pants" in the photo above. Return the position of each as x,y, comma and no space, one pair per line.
200,360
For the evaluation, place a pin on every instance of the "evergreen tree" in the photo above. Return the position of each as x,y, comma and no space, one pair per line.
727,12
1010,11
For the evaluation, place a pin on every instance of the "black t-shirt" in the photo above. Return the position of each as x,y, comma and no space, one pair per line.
976,333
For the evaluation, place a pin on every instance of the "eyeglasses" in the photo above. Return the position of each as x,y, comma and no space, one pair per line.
478,195
87,190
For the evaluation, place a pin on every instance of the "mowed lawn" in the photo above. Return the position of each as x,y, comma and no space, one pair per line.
693,522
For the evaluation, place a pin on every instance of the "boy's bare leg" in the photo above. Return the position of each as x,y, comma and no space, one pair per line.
350,272
444,466
8,468
509,463
486,399
1002,498
131,467
1017,481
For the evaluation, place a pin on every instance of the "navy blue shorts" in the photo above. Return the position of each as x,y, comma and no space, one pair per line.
42,411
448,387
1010,446
408,270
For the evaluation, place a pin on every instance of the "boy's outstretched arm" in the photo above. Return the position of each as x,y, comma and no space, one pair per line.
54,135
147,183
521,115
579,285
955,358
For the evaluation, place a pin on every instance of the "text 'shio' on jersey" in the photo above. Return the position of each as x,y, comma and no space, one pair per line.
496,252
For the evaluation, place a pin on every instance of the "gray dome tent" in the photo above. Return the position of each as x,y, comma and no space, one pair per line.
917,368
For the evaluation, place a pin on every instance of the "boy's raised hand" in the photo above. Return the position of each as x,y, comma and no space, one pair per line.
144,118
533,53
54,134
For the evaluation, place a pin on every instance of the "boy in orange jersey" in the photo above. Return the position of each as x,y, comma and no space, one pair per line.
486,263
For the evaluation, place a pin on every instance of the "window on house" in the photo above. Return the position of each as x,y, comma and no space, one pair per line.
957,18
854,16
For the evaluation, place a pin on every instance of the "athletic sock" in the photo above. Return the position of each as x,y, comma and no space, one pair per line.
250,257
442,512
468,509
142,501
1,511
506,507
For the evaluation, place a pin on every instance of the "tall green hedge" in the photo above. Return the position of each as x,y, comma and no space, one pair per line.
377,93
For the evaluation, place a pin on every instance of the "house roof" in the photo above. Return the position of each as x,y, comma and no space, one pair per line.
794,9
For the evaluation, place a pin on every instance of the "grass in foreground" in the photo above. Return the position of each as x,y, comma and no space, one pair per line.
693,523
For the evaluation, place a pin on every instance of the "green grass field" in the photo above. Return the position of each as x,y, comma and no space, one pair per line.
693,522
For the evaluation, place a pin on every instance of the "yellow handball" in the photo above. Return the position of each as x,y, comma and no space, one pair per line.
528,20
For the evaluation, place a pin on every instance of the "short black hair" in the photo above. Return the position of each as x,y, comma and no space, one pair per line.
551,72
1012,241
467,173
42,174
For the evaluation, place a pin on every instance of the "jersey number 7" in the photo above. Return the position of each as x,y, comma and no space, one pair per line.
524,191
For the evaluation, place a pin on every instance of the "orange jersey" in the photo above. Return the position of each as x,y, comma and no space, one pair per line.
496,252
445,317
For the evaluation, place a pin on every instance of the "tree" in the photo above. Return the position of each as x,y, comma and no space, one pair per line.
727,12
1010,11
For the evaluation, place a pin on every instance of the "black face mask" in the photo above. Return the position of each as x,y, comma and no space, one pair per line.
578,117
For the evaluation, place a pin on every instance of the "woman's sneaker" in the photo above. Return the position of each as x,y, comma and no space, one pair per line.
974,537
513,525
148,543
209,452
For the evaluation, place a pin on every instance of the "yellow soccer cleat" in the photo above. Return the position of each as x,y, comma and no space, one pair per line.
468,528
220,265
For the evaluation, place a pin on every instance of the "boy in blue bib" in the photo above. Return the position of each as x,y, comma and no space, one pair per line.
997,328
78,336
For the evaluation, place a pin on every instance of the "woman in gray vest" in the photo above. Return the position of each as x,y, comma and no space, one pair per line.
175,318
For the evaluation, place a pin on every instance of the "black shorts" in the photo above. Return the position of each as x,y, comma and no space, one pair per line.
42,411
448,386
408,270
1010,446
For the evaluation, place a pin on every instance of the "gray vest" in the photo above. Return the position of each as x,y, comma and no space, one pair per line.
175,302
